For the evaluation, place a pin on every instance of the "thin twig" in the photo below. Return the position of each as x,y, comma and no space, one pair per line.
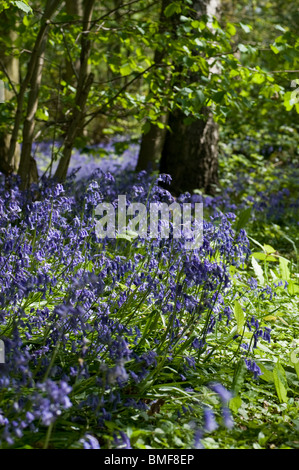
8,77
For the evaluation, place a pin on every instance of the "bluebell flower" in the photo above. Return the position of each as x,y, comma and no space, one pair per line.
210,423
90,442
253,367
227,418
223,393
123,442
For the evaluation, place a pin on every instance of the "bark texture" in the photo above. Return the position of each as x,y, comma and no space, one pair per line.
152,142
27,169
190,152
151,147
85,80
10,66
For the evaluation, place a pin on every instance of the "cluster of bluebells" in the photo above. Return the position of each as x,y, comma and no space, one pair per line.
274,203
258,333
72,306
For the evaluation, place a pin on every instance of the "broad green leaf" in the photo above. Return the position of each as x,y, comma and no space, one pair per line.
264,348
280,382
125,69
258,78
171,9
230,28
26,21
160,125
293,288
288,101
258,271
270,318
199,97
280,28
284,270
242,48
274,49
246,27
23,6
235,404
280,388
218,97
239,377
296,367
264,257
239,316
267,374
42,114
269,249
242,219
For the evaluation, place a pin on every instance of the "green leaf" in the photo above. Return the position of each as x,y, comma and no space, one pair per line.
280,28
235,404
242,48
287,101
284,270
42,114
264,257
124,236
199,97
274,49
242,219
26,21
218,97
258,271
239,377
239,316
269,249
267,374
23,6
146,127
125,69
293,288
171,9
296,367
230,28
258,78
280,383
246,27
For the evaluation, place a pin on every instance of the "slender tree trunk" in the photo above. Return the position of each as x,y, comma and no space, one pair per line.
85,80
32,79
10,66
190,152
151,146
28,169
153,140
74,8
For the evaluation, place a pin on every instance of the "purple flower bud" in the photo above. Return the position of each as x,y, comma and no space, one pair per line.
223,393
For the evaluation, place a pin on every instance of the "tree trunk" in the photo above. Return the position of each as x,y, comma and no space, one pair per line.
190,152
85,80
151,146
74,8
153,140
10,66
28,169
